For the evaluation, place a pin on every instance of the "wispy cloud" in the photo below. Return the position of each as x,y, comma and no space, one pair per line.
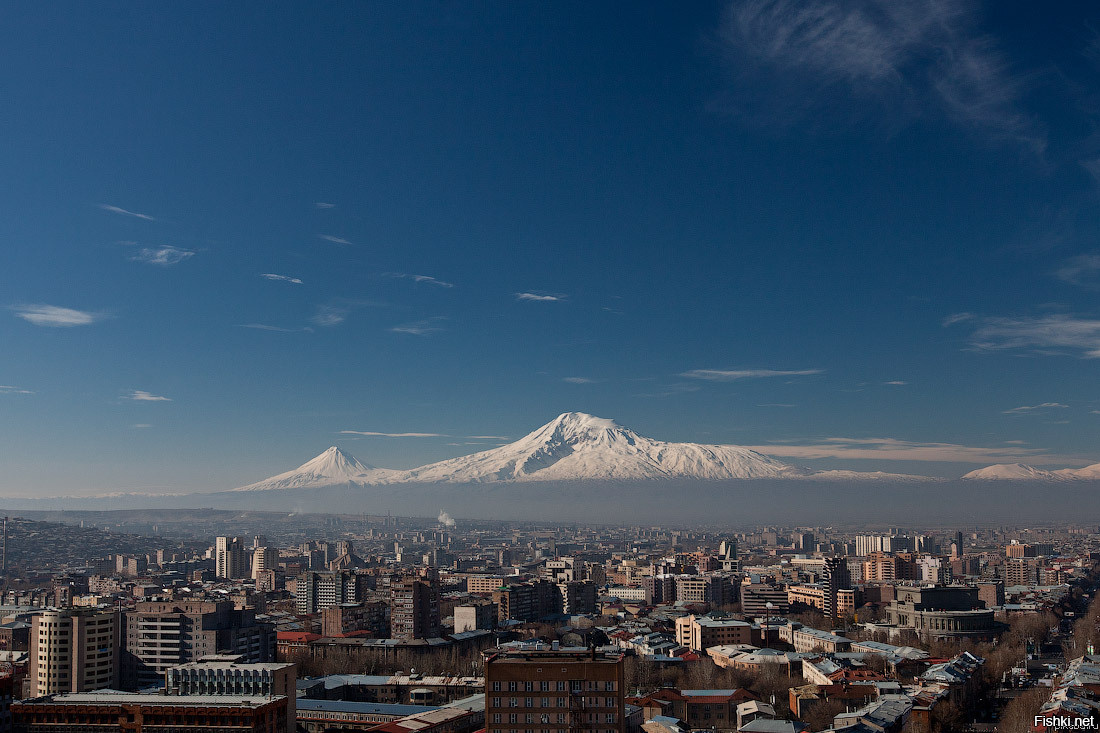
328,316
140,395
487,437
579,380
921,55
277,329
55,316
892,449
540,297
420,279
280,278
896,383
1081,270
371,433
8,389
141,426
324,205
731,375
954,318
124,212
1025,409
333,239
421,328
1057,334
163,256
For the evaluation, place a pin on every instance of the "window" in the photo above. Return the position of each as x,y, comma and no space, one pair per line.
496,686
561,685
496,702
528,686
496,717
513,718
544,686
513,702
511,687
528,702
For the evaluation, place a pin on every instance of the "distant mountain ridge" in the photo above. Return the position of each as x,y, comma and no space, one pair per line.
1024,472
572,447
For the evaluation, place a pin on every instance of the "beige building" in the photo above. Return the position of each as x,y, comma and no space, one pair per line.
699,633
73,650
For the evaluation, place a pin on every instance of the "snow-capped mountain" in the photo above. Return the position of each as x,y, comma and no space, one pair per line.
1024,472
575,446
572,447
331,468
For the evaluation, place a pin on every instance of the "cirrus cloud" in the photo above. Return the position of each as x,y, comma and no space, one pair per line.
140,395
731,375
163,256
375,434
53,316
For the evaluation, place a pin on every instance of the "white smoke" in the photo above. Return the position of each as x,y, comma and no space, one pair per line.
445,519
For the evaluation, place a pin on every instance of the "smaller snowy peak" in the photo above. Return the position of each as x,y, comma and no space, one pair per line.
333,467
1088,473
1013,472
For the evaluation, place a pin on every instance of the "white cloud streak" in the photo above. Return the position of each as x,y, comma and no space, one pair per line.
731,375
324,205
1048,335
892,449
1080,270
540,297
427,279
277,329
333,239
53,316
9,389
162,256
1025,409
328,316
896,383
280,278
425,327
140,395
374,434
124,212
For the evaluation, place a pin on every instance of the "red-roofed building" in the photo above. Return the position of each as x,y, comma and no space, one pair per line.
290,643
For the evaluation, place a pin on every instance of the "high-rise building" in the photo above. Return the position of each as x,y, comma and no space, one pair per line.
264,558
528,690
162,634
526,601
321,589
414,606
73,650
727,556
229,558
835,577
577,597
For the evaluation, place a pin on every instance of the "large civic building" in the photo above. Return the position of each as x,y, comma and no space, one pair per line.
942,612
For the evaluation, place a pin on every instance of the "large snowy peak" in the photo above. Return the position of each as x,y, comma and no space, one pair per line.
331,468
576,446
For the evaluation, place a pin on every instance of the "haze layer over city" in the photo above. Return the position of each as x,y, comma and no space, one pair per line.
650,367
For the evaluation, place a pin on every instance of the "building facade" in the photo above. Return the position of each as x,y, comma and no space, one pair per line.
73,650
541,690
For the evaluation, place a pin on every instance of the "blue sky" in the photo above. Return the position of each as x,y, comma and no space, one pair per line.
847,233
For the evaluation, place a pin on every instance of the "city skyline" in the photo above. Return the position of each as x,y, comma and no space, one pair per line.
237,236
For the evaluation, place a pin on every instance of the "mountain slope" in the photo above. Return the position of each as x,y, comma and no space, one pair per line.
331,468
1012,472
575,446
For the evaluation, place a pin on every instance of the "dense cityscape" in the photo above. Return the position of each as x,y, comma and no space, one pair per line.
399,624
630,366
